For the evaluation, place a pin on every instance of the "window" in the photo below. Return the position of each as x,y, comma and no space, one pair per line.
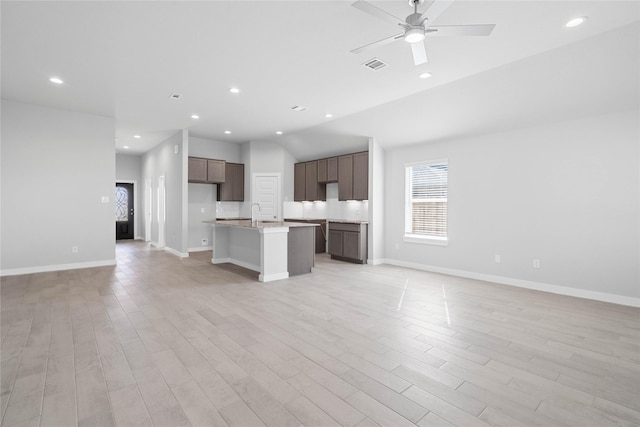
426,202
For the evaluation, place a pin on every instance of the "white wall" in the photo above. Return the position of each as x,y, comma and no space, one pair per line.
128,168
56,166
202,197
565,193
164,161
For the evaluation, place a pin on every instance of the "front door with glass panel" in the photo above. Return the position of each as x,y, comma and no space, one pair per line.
124,211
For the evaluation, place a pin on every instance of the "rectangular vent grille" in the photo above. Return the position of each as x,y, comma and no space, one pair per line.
375,64
298,108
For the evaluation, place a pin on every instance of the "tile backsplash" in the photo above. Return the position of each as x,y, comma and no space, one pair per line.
331,209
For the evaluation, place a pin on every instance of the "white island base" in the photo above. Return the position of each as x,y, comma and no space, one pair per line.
275,250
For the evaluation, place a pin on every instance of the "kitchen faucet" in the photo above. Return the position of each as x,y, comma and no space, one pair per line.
259,211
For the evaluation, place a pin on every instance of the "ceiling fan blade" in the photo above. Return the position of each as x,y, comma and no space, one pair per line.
378,43
434,10
377,12
460,30
419,53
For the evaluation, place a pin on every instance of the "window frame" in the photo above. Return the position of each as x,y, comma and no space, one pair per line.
408,236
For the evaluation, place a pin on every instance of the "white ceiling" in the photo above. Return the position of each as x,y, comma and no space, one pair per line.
124,59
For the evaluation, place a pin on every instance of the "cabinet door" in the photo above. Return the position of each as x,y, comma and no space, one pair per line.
351,244
215,171
225,191
299,182
335,242
332,169
345,177
322,170
238,183
197,169
311,181
361,176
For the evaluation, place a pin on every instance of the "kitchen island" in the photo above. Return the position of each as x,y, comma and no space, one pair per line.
275,249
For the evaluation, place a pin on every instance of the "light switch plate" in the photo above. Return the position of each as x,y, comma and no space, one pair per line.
105,199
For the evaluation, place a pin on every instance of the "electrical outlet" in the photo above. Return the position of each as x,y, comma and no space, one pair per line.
105,199
497,258
205,242
74,249
536,263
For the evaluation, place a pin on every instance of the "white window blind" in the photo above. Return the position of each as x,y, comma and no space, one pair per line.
426,208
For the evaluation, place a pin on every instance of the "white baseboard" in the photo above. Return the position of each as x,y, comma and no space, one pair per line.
545,287
57,267
377,261
176,253
201,249
155,244
272,277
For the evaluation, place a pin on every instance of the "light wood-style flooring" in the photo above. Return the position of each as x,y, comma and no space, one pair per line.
167,342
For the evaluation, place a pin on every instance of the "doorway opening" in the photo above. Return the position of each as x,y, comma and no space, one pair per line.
125,210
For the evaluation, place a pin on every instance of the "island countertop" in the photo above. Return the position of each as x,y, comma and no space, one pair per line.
260,224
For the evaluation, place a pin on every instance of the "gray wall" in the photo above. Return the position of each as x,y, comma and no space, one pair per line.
164,161
203,196
56,166
565,193
128,168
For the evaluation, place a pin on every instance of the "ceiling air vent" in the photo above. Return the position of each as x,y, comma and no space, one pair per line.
175,95
298,108
375,64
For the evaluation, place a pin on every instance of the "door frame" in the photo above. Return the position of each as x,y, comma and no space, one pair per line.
148,208
162,211
255,176
135,204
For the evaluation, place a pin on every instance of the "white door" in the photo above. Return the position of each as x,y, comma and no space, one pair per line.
266,193
161,212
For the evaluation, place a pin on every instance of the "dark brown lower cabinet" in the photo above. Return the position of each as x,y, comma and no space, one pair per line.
348,241
321,230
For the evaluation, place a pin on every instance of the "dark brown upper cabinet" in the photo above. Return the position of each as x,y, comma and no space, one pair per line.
345,177
328,170
353,176
361,176
332,169
207,171
232,190
305,183
299,182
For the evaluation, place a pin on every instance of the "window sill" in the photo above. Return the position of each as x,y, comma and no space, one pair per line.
422,240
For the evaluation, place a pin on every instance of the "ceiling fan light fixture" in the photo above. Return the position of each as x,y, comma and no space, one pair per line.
414,35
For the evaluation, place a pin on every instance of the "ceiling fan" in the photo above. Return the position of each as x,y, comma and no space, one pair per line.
416,27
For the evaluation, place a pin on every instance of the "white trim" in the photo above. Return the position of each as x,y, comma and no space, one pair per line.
272,277
379,261
176,253
424,162
57,267
201,249
544,287
155,244
425,240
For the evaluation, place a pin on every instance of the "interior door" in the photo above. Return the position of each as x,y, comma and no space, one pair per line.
124,211
266,192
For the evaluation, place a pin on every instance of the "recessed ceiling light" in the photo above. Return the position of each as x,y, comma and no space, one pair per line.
328,115
227,132
279,132
576,21
234,90
126,147
56,80
195,116
137,136
425,75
